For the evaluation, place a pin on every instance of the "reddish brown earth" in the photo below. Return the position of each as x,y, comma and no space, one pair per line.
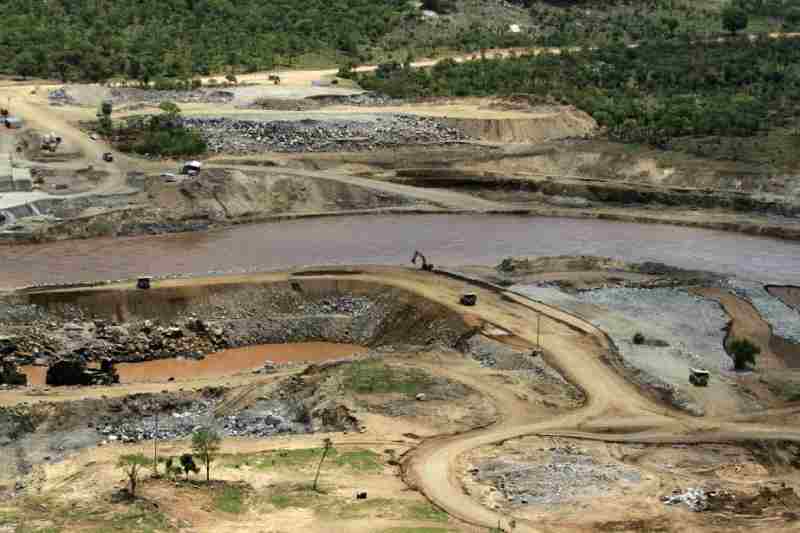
224,363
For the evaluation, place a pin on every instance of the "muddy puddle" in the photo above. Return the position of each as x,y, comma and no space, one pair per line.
220,364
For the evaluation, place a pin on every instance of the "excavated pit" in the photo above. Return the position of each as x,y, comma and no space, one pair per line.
221,328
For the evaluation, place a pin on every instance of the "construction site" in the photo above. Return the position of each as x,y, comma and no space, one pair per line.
463,314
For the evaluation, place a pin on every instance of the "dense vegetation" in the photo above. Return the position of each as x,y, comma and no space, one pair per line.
650,93
148,39
157,135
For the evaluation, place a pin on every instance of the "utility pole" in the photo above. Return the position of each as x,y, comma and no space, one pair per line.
538,331
155,447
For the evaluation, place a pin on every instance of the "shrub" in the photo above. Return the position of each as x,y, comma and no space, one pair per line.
744,353
638,338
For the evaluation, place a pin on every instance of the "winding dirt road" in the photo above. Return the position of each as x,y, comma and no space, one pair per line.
614,411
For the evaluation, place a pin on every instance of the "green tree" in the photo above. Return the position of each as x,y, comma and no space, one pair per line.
205,445
792,18
171,111
188,464
132,465
326,448
25,63
734,19
744,353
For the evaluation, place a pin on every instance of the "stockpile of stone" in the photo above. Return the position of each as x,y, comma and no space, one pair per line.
246,136
132,94
695,499
566,474
363,99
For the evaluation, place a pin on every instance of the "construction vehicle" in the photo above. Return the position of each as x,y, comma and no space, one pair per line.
274,78
3,112
469,299
698,377
51,142
428,267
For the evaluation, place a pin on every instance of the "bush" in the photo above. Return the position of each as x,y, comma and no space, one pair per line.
171,142
638,338
734,18
744,353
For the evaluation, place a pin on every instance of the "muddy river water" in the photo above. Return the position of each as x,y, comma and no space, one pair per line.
446,239
224,363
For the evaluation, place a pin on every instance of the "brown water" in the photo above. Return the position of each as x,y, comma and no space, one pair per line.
220,364
445,239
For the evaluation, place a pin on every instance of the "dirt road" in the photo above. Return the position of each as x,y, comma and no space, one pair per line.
615,410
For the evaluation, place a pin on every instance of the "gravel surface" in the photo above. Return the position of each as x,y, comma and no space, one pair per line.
784,320
231,135
683,331
565,474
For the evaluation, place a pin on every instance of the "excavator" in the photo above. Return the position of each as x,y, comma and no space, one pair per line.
428,267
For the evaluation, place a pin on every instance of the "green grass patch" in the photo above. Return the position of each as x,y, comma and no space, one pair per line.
416,530
361,460
301,496
230,500
8,517
375,377
359,509
137,518
426,511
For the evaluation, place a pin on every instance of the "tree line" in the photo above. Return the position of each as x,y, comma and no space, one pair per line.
148,39
651,93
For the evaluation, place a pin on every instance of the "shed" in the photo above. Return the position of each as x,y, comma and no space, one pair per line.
13,123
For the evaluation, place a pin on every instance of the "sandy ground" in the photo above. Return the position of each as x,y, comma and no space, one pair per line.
615,410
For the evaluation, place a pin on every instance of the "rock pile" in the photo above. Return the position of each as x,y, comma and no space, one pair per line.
132,94
566,474
246,136
695,499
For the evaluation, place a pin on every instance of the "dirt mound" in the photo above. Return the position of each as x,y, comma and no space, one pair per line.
222,194
552,124
562,263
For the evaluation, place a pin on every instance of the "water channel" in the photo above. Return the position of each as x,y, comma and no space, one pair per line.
446,239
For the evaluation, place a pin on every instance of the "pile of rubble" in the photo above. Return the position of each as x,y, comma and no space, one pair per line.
768,497
696,499
258,421
246,136
204,96
566,473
